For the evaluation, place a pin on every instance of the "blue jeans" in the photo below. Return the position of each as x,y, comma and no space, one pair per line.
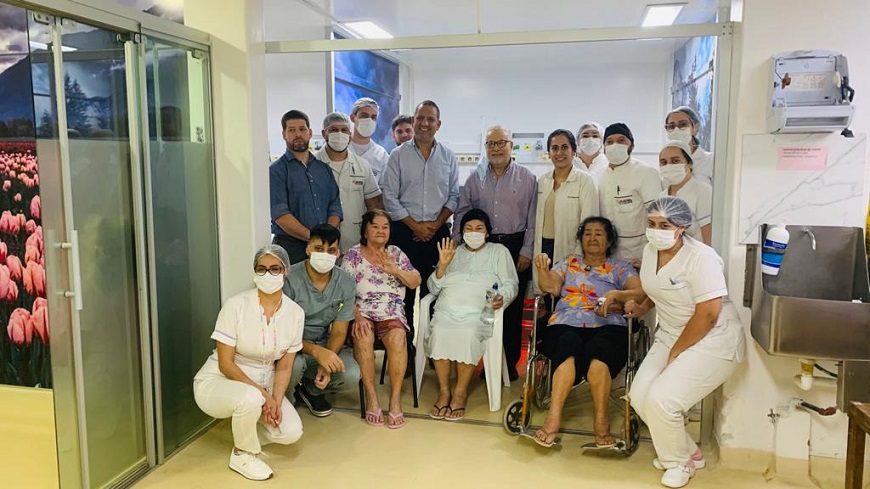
305,369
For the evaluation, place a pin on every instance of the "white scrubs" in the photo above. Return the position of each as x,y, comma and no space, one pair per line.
702,166
699,196
374,154
662,395
356,183
596,169
624,192
242,325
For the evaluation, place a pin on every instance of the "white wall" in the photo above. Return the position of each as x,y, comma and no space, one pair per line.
542,88
764,382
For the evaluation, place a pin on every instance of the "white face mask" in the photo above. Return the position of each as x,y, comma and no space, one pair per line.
268,283
474,240
662,239
365,127
338,141
590,146
322,262
684,135
616,154
673,174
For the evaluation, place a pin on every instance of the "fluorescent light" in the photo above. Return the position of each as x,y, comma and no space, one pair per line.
366,30
659,15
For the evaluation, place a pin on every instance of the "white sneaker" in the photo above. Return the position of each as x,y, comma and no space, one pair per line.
700,463
678,476
250,466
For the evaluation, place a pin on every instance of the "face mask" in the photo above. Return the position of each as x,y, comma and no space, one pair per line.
268,283
338,141
617,154
662,239
322,262
474,240
590,146
365,127
684,135
673,174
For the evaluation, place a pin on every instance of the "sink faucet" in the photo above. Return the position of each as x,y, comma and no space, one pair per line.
813,236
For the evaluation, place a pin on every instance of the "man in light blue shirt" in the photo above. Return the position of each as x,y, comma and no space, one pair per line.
421,191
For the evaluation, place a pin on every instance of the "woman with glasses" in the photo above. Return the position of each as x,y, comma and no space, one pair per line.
257,335
382,273
683,124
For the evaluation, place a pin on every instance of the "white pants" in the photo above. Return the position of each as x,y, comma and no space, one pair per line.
661,398
222,398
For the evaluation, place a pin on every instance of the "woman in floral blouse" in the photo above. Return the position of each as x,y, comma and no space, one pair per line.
382,272
585,337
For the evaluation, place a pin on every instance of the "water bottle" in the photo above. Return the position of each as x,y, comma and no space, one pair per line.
487,314
773,249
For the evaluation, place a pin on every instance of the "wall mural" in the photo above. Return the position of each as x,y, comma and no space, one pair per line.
24,345
692,83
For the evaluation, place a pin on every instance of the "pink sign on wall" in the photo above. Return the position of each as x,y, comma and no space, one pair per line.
793,158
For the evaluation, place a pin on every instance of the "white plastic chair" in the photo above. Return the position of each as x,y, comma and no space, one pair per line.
492,356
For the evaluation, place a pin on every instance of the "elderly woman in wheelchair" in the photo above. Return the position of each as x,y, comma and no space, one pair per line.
586,335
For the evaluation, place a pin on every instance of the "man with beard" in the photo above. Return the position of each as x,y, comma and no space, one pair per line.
302,190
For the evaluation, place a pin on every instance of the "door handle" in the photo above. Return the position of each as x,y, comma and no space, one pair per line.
73,246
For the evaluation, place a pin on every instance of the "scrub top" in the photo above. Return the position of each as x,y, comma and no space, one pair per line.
699,196
242,325
702,163
596,169
374,154
624,192
694,275
356,183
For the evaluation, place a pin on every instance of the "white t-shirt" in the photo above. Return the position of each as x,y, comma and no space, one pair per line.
356,183
374,154
242,325
702,166
596,169
699,196
694,275
624,192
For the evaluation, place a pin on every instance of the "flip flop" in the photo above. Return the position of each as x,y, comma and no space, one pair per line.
544,443
396,421
604,445
374,418
457,410
440,411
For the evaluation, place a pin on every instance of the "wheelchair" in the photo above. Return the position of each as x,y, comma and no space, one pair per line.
537,386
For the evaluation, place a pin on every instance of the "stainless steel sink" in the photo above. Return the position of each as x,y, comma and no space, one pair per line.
808,310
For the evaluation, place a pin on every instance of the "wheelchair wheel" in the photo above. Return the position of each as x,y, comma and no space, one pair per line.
633,437
512,414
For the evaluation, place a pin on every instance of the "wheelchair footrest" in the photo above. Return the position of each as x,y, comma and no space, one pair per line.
619,446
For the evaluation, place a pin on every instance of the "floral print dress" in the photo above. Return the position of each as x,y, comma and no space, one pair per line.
379,295
582,288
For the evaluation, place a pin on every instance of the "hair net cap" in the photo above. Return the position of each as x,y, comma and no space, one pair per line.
363,102
618,128
275,250
333,117
674,209
590,125
675,143
685,109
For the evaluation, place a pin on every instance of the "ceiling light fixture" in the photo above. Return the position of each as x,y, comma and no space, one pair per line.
661,15
366,30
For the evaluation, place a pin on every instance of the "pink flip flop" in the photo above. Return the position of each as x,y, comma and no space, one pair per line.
396,421
374,418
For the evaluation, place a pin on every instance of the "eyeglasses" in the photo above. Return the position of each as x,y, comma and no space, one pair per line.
678,125
274,270
501,143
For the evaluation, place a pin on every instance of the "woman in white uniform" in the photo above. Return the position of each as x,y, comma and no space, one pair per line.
257,335
683,124
677,168
694,351
456,334
590,157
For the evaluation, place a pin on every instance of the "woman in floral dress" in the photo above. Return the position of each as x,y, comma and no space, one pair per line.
382,272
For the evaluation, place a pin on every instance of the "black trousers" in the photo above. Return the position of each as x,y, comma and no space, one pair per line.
512,338
423,255
295,248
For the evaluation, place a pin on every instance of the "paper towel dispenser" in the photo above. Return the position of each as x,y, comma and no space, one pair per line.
810,92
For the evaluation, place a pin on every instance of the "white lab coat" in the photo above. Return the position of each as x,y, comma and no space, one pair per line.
596,169
702,166
576,199
699,196
375,155
356,183
624,193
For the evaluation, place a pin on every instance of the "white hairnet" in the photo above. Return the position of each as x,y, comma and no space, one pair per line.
591,125
276,251
674,143
690,112
333,117
674,209
363,102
